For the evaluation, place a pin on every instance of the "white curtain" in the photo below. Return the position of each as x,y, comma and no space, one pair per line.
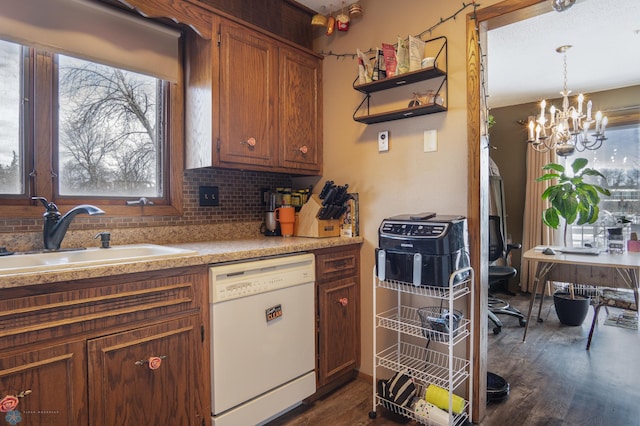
535,232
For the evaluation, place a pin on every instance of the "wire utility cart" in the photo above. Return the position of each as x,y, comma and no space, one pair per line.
418,328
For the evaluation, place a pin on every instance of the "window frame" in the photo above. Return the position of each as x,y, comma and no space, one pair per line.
580,234
40,143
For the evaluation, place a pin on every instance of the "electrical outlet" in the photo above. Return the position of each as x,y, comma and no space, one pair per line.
264,196
209,196
383,141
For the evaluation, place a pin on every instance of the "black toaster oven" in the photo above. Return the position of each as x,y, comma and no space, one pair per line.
422,249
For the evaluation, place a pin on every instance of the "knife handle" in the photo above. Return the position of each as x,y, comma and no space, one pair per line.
327,186
329,197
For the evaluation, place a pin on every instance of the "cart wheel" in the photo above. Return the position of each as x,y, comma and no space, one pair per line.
522,322
497,330
372,414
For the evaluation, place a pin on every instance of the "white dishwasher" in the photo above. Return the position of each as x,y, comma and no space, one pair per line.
263,334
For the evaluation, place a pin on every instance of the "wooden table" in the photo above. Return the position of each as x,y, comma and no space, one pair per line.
603,270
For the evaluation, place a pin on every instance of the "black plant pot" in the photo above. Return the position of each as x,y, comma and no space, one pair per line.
571,311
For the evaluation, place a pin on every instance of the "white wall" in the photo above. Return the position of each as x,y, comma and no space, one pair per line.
405,179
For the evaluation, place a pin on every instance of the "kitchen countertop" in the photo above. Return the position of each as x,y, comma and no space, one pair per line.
208,252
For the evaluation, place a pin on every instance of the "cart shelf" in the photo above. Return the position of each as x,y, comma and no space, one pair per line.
455,291
424,365
406,320
459,419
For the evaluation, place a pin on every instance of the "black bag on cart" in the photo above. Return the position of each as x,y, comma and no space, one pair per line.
399,390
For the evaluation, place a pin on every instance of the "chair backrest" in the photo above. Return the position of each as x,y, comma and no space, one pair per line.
496,241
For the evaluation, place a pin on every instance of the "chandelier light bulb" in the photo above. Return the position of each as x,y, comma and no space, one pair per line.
598,121
605,121
531,128
580,101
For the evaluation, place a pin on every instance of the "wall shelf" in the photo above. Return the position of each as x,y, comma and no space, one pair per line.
402,79
400,114
363,113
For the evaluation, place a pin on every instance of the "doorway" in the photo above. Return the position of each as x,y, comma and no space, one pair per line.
478,174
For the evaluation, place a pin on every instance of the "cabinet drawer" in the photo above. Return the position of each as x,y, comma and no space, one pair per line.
92,305
337,263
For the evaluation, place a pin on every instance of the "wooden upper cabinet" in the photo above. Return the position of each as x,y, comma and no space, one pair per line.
300,111
252,102
248,94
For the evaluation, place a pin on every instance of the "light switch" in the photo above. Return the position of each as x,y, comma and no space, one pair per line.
430,140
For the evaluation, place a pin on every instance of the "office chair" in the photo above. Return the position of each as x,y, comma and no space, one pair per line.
500,274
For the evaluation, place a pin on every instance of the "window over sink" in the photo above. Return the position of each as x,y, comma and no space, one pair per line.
96,125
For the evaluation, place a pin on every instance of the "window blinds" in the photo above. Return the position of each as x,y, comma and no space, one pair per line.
93,32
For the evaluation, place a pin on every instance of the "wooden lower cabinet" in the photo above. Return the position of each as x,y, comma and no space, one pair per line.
145,376
338,316
125,350
339,337
49,384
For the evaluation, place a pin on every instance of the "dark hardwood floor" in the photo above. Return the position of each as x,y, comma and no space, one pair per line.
553,379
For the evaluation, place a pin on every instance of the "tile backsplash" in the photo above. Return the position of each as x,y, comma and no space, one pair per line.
239,215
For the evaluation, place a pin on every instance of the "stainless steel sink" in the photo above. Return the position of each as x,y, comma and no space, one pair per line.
56,260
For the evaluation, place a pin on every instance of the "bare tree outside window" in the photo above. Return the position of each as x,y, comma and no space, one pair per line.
108,131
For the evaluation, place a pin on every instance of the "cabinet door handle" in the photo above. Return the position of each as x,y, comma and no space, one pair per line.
343,301
153,362
10,402
251,142
303,149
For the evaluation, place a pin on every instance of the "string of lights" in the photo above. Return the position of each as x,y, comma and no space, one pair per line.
484,94
423,33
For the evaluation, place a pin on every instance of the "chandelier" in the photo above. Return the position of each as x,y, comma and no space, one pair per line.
562,5
567,130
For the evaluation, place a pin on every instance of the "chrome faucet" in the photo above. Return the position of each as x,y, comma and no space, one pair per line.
56,225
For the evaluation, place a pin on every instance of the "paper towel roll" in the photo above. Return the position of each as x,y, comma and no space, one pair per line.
440,398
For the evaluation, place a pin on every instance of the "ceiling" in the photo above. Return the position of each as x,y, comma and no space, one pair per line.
523,65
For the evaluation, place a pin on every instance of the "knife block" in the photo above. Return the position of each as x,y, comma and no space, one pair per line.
308,224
